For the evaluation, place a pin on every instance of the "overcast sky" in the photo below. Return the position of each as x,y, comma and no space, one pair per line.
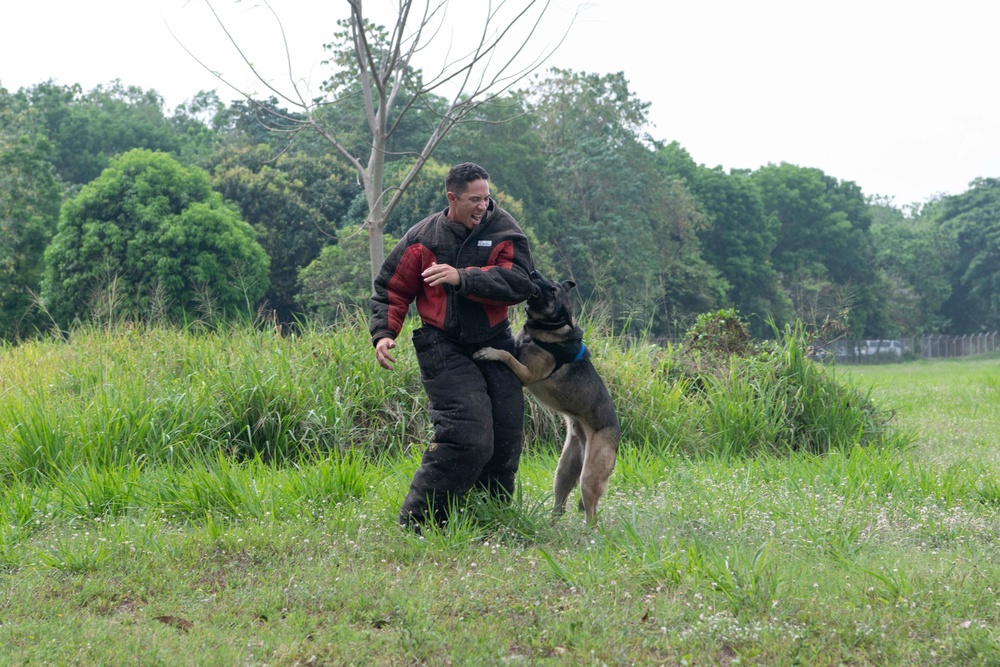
899,97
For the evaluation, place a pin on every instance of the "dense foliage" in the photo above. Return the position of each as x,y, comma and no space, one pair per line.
651,236
970,224
288,201
29,206
739,239
149,238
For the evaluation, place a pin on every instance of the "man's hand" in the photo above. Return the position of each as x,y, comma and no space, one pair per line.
436,274
382,355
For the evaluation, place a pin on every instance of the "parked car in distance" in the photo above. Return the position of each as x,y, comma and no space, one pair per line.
848,350
881,346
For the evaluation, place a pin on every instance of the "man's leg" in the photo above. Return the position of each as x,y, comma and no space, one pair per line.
460,409
507,406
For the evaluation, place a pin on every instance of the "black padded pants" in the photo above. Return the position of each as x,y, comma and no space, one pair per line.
477,408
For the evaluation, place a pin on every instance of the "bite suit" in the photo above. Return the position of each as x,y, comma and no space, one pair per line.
477,408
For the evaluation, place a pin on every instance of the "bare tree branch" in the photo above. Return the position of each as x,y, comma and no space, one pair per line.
480,76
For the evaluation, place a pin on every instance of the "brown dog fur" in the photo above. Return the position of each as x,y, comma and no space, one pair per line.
553,364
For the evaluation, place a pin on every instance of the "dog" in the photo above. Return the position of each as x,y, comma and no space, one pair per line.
554,365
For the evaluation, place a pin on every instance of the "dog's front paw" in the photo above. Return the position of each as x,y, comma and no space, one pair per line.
486,354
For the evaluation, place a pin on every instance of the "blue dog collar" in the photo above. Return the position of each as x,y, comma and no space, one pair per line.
563,354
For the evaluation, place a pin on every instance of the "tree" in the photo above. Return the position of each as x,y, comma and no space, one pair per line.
149,239
253,123
914,260
294,203
739,239
88,129
624,232
824,238
29,208
377,74
971,221
338,280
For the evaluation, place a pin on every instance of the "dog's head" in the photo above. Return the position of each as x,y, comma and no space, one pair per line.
550,302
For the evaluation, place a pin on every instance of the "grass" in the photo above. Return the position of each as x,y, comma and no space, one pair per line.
173,498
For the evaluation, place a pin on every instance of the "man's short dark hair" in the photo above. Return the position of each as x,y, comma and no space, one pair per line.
462,174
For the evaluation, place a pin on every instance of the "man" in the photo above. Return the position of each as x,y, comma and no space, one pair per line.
464,266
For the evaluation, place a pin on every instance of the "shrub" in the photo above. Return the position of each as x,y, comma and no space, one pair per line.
147,239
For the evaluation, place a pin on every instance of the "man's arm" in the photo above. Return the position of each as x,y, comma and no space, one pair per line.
435,274
505,278
396,285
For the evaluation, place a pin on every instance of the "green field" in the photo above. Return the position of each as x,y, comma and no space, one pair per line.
231,499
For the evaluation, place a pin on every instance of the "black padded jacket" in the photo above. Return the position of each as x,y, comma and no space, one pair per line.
493,262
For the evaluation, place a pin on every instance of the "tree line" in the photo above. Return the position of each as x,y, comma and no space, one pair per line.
112,205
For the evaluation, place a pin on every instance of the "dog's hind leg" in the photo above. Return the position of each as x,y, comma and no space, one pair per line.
570,465
599,461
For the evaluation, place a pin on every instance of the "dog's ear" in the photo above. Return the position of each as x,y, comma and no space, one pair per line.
568,285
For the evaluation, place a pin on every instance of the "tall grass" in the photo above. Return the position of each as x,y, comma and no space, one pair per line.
248,425
779,401
237,491
151,397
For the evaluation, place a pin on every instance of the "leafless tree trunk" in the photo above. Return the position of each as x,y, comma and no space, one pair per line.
498,61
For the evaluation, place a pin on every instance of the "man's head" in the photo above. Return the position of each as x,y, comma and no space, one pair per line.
468,193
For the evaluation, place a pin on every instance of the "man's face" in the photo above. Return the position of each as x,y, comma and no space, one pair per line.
469,207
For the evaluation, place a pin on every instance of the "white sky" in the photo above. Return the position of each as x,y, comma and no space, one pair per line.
900,97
